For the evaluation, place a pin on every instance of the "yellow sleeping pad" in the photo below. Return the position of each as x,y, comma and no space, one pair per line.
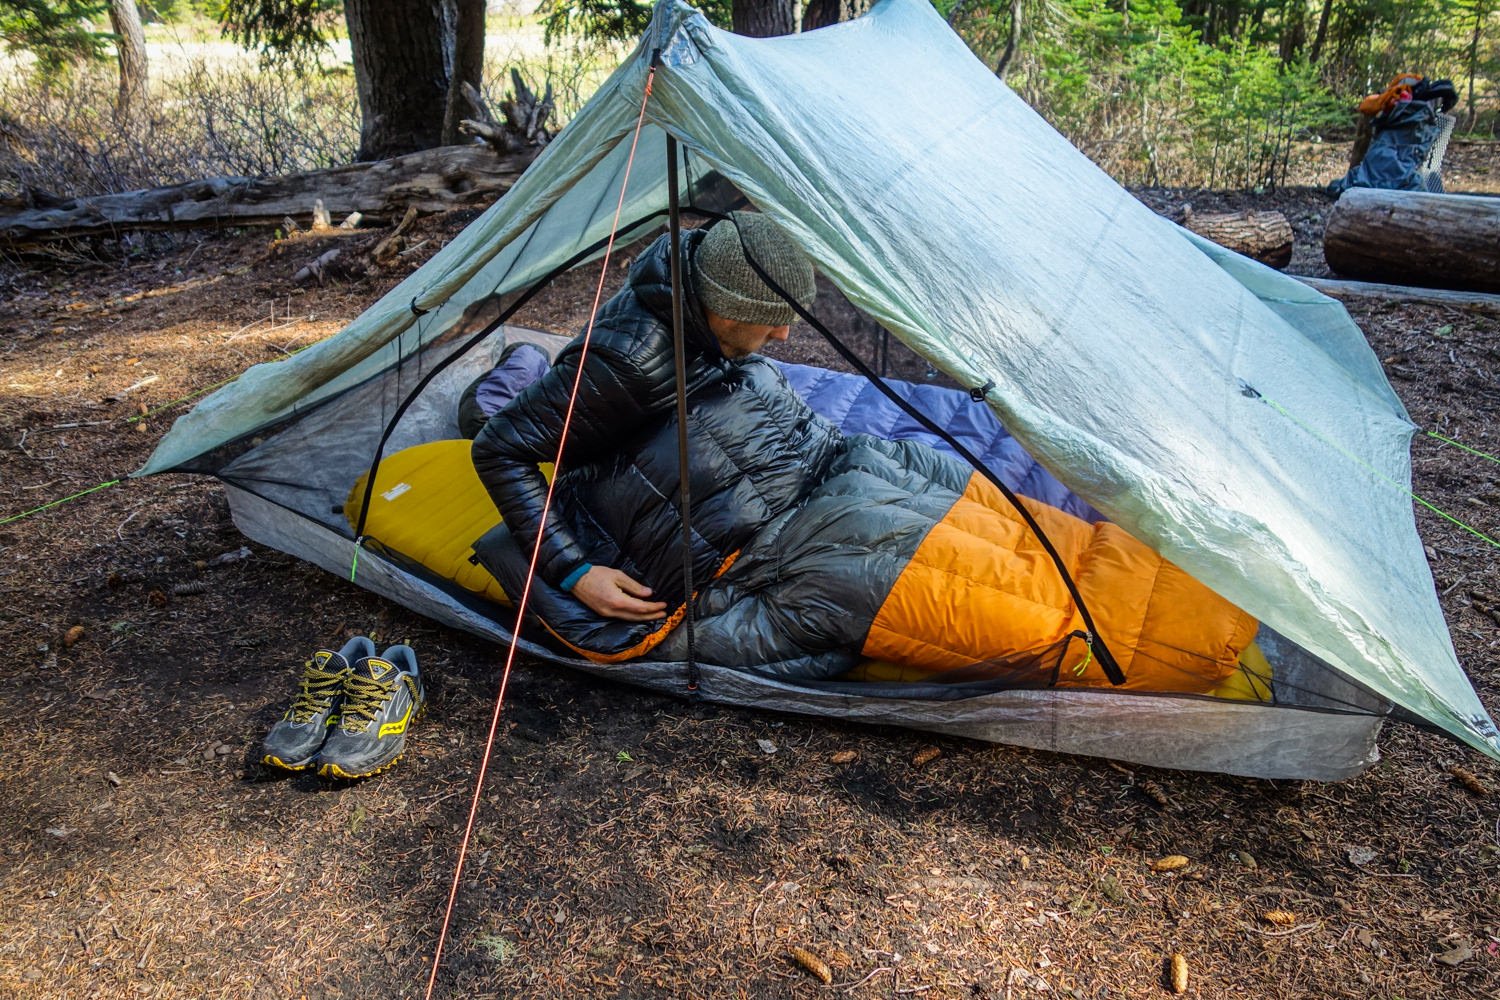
1251,682
429,506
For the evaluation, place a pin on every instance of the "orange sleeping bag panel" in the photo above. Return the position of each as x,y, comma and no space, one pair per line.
981,596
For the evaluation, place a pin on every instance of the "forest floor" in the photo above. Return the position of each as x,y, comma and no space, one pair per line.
629,844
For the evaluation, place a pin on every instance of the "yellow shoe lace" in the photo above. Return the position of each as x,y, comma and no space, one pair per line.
363,699
318,689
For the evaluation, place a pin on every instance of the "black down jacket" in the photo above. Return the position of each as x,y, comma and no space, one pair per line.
628,385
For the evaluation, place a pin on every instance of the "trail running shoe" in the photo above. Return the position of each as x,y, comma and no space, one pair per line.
294,742
382,694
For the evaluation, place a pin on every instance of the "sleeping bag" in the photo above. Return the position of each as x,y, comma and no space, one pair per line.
812,550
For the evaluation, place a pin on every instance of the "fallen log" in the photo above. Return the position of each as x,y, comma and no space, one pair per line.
1415,238
1485,302
433,180
1262,236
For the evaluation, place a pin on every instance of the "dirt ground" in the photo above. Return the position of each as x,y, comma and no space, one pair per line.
628,844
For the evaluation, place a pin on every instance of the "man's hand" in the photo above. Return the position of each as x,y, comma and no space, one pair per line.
613,594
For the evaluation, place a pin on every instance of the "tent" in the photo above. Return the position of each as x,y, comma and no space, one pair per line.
1226,415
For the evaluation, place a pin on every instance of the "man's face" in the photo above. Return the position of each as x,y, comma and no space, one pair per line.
738,340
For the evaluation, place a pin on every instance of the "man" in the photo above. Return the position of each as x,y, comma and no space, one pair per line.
628,386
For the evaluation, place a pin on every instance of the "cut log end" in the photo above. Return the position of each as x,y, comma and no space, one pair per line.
1263,236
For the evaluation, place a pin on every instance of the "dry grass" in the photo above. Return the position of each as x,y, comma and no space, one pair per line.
628,844
215,110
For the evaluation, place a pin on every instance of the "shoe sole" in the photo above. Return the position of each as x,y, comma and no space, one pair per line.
334,771
275,761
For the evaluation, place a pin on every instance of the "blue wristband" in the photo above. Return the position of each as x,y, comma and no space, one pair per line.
572,578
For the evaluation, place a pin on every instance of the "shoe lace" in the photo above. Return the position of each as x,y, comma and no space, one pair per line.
364,697
318,689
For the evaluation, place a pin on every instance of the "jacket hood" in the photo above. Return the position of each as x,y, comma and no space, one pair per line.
651,280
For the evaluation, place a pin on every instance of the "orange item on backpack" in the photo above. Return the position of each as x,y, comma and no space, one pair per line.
1399,89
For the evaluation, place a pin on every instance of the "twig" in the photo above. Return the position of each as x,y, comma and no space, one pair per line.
76,424
270,329
1325,798
121,528
1454,585
755,915
146,954
1282,890
252,324
1290,931
141,384
855,985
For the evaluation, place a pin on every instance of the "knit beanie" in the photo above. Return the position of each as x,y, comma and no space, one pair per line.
728,286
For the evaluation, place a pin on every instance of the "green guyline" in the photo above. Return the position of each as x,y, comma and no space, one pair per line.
178,402
209,388
58,503
1460,445
1376,472
131,420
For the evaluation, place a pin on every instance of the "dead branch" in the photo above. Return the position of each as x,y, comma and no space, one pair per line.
1485,302
434,180
525,117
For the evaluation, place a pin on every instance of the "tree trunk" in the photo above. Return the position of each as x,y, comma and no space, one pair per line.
1479,15
1262,236
130,43
1414,238
1012,40
763,18
821,13
433,180
400,52
1293,31
467,64
1322,35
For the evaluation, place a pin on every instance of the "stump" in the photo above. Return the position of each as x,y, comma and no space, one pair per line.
1416,238
1262,236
